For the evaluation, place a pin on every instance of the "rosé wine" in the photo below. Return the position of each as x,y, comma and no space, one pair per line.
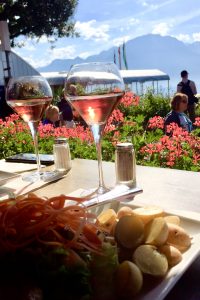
96,109
30,110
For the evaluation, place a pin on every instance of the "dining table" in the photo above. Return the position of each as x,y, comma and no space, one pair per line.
173,190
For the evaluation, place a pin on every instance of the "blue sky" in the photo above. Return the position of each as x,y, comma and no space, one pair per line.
106,23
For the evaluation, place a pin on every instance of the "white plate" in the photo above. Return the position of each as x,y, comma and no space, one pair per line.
157,290
7,176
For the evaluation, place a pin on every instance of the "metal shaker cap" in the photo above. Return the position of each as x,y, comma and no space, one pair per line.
124,146
59,141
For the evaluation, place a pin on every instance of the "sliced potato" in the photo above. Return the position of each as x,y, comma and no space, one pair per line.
129,280
124,211
178,237
129,232
107,219
148,213
173,255
156,232
172,219
150,260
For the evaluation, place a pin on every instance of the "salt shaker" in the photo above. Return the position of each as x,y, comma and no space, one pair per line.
125,165
62,156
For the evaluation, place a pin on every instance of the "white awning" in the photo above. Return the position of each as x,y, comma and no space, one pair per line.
129,76
55,78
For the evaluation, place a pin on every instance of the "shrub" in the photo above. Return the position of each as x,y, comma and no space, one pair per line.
139,121
149,105
181,150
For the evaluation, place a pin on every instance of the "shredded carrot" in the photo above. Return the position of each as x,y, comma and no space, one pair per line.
32,219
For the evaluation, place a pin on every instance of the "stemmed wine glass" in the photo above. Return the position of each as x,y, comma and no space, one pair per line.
94,89
29,96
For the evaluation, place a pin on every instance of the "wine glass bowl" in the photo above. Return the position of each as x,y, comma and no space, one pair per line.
99,84
94,89
29,97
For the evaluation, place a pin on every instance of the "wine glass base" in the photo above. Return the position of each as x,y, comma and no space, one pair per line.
95,192
7,191
102,190
46,176
31,177
88,193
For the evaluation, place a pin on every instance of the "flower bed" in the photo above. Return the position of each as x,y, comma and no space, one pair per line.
180,150
139,121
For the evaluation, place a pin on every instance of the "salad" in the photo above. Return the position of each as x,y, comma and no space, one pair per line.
53,251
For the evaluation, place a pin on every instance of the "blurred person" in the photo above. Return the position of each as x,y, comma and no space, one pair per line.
176,115
66,114
52,116
188,88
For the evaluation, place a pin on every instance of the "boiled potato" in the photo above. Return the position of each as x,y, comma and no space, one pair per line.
156,232
129,280
148,213
129,232
107,220
124,211
173,255
178,237
150,260
172,219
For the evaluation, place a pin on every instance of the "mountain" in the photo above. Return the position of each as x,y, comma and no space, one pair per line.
195,47
146,52
58,65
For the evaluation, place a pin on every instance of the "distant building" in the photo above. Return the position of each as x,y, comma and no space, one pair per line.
11,65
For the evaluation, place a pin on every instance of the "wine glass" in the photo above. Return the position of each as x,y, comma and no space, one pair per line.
29,96
94,89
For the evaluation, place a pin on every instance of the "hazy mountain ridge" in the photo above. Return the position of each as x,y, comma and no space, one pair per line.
146,52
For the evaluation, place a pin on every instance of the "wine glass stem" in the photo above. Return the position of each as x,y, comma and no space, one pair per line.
97,130
34,132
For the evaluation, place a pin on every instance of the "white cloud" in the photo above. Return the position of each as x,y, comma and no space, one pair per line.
144,3
56,53
133,21
26,45
86,54
126,25
182,19
151,6
196,36
30,47
161,28
93,30
119,40
43,39
188,38
36,62
183,37
62,52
